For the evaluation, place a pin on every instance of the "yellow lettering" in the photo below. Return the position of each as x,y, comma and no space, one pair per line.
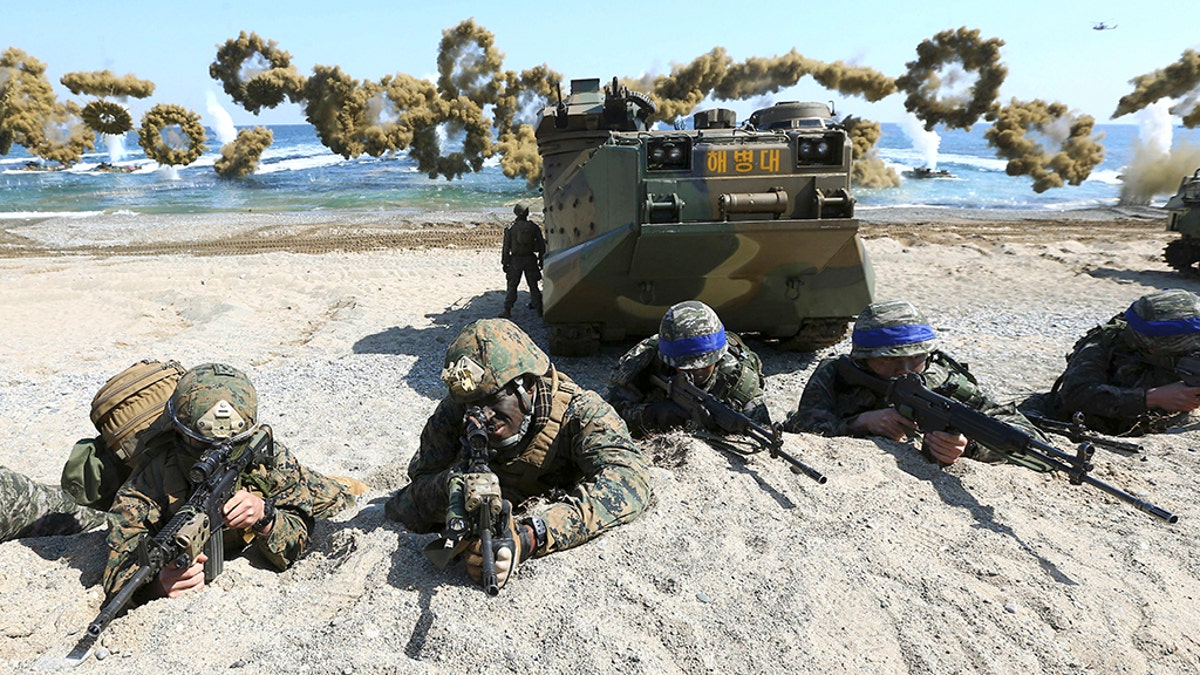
716,161
743,161
768,160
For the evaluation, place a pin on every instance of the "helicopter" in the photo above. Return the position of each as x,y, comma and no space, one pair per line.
1100,25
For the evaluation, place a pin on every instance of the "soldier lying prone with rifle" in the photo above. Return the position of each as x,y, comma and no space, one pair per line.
222,483
513,428
693,374
881,389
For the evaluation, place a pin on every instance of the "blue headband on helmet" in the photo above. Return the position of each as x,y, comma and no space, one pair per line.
1162,328
893,336
701,344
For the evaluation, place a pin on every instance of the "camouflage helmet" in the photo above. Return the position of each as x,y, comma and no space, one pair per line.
214,402
521,209
1165,322
486,356
691,336
890,330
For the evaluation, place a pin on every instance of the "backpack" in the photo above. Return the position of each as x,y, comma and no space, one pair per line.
127,412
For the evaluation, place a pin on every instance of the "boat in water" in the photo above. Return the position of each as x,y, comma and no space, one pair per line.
926,172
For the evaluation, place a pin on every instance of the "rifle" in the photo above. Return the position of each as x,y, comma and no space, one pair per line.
708,410
934,412
475,508
1187,367
1077,432
196,528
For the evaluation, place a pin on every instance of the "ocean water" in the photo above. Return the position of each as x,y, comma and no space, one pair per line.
298,174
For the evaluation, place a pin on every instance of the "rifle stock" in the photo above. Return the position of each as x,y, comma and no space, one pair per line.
196,528
703,406
934,412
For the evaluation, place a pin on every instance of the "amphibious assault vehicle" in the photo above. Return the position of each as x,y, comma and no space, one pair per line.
755,219
1184,252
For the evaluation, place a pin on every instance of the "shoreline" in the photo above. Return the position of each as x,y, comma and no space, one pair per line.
327,231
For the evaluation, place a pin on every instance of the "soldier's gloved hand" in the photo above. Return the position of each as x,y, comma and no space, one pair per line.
506,548
664,415
505,267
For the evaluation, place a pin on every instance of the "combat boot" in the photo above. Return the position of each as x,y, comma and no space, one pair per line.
506,314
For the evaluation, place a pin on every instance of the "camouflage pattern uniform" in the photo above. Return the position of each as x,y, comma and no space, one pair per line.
1111,368
522,254
584,464
829,404
736,381
150,497
31,509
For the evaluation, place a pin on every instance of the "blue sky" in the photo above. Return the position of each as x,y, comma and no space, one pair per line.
1051,50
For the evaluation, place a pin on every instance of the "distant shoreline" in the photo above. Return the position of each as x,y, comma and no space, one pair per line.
320,231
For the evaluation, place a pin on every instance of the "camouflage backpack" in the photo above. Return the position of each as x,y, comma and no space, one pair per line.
127,412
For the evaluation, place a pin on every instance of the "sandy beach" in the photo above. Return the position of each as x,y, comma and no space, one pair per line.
739,566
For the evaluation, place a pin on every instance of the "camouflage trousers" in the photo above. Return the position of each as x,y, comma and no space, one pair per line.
31,509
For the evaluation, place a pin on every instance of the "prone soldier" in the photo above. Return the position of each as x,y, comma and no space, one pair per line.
545,437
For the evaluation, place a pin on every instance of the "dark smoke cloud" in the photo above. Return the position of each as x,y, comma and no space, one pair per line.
172,135
935,71
469,64
715,73
64,136
27,100
1178,80
106,83
460,116
1078,154
868,171
241,156
398,106
335,104
107,117
256,73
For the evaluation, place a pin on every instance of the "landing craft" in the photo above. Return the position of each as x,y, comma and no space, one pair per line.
1100,25
755,219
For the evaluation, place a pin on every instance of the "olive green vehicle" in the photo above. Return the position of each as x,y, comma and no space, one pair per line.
1184,252
754,219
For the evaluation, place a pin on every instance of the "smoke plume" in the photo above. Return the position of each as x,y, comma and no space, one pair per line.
1178,80
240,157
104,83
933,82
1078,154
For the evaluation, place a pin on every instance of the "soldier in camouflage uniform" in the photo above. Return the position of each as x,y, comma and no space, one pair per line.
892,339
690,339
31,509
273,509
522,254
548,438
1122,376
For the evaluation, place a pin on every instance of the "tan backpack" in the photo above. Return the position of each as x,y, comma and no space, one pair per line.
123,411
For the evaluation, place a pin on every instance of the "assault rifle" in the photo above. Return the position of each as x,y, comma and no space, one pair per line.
712,413
934,412
1077,432
196,528
475,509
1188,369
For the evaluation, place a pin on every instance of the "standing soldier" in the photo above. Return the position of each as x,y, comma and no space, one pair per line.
523,251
